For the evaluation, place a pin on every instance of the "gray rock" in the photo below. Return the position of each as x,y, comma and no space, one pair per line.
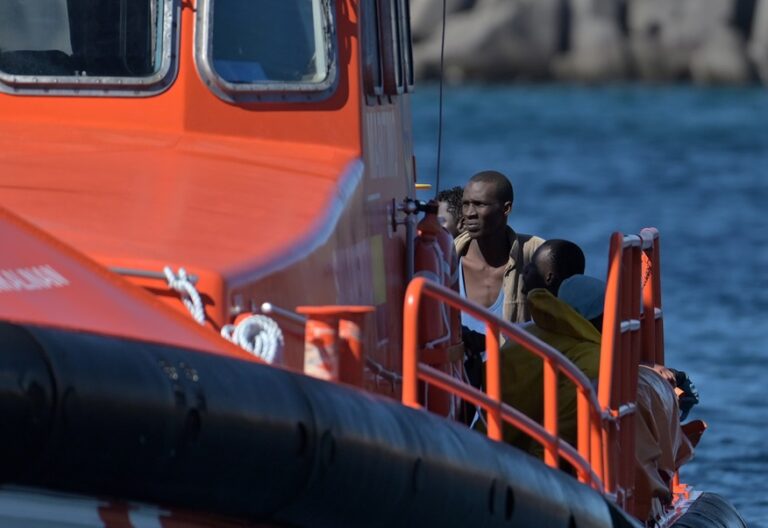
721,59
597,49
593,40
497,39
427,15
665,36
758,44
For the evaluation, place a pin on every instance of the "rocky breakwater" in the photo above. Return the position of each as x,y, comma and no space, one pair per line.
703,41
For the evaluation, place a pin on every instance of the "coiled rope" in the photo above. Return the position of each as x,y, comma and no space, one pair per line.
258,334
187,291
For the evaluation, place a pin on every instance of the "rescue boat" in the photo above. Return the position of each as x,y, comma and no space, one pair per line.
217,307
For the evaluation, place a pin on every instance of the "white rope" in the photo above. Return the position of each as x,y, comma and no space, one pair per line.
187,292
258,334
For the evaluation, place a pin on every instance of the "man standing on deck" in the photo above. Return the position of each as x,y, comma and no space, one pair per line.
492,255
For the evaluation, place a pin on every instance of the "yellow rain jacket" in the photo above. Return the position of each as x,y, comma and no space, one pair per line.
522,378
661,447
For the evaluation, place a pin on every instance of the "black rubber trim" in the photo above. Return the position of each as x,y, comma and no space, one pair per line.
139,421
711,511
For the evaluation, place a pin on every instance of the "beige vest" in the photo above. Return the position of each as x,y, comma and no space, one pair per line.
522,249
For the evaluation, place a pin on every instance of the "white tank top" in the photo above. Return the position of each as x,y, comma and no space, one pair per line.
497,308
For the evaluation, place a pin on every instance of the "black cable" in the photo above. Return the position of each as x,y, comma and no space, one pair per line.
440,104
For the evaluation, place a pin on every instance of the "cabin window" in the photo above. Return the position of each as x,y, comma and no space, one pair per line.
391,44
85,46
404,14
396,50
253,50
371,48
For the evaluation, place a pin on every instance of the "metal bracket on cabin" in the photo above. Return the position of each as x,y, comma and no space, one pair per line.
410,208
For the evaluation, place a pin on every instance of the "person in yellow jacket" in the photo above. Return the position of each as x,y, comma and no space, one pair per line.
560,326
569,323
564,329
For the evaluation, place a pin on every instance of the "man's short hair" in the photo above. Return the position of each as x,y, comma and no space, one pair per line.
567,258
452,197
504,190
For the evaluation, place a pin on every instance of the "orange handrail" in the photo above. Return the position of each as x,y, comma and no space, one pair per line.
632,333
587,458
617,384
652,320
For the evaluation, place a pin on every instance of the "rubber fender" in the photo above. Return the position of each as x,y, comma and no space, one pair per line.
26,399
382,464
162,425
178,428
711,511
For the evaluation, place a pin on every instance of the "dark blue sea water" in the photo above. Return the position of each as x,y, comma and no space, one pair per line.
691,161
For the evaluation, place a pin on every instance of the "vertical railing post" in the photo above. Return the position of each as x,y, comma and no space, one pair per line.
634,301
584,428
625,360
635,304
653,284
656,279
596,448
410,396
551,457
493,379
648,322
608,361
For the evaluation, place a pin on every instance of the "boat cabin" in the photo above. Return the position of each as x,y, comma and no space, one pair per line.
260,146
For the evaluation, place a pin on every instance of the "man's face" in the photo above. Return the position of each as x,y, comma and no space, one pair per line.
484,214
537,273
447,219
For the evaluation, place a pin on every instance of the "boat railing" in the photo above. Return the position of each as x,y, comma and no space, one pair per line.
632,334
586,458
604,456
652,321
